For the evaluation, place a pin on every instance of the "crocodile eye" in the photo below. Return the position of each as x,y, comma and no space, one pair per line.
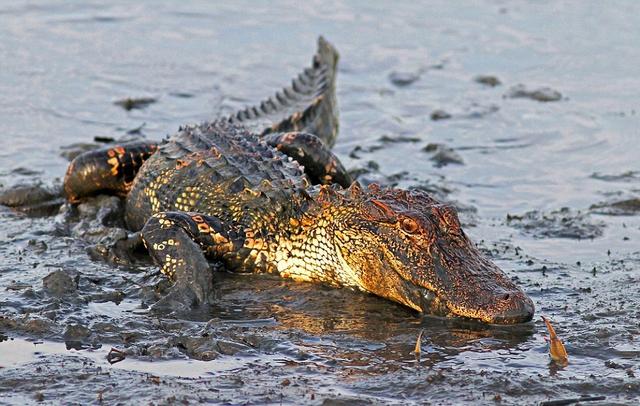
409,225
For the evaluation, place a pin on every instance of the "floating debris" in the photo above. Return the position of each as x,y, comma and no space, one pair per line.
402,79
135,103
556,349
628,176
104,140
477,111
626,207
393,139
542,94
443,155
487,80
440,115
182,95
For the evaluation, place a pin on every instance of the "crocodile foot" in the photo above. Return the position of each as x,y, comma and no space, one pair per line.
193,288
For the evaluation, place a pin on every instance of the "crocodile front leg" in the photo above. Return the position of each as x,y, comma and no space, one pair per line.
180,243
320,164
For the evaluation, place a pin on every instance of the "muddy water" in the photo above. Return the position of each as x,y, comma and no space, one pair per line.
543,165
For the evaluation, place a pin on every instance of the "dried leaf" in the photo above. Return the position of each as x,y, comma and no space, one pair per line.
556,348
418,343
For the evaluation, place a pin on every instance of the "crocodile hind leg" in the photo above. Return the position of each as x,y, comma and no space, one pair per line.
109,169
320,164
180,242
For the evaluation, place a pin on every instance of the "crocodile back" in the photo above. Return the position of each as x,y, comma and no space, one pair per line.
217,169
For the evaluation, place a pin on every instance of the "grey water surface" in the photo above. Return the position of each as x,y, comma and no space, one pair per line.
524,114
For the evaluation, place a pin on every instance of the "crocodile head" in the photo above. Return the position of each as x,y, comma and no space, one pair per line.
409,248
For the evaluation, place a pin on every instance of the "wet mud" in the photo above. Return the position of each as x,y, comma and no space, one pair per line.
627,207
562,223
549,191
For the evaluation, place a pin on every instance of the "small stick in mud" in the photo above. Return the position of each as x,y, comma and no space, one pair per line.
418,343
564,402
100,395
115,355
556,349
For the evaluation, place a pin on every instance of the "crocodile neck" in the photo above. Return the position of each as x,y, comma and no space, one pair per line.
307,246
310,252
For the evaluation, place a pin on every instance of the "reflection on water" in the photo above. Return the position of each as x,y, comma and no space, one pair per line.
65,64
19,351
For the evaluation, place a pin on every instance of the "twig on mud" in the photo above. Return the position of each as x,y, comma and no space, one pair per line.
115,356
564,402
154,379
418,343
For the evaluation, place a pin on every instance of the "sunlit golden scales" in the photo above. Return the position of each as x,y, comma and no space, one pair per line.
204,228
152,188
219,239
181,163
170,265
164,222
114,163
251,193
114,155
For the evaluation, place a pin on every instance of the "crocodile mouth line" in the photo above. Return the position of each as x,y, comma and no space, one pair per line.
432,304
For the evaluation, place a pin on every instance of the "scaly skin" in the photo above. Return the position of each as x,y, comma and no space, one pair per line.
234,192
401,245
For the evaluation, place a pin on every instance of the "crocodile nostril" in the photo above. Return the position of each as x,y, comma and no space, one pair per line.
512,307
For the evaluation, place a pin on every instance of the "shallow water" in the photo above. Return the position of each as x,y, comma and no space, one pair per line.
62,67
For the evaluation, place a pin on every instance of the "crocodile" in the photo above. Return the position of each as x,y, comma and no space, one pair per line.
261,191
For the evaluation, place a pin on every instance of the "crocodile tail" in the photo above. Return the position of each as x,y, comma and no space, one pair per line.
308,105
